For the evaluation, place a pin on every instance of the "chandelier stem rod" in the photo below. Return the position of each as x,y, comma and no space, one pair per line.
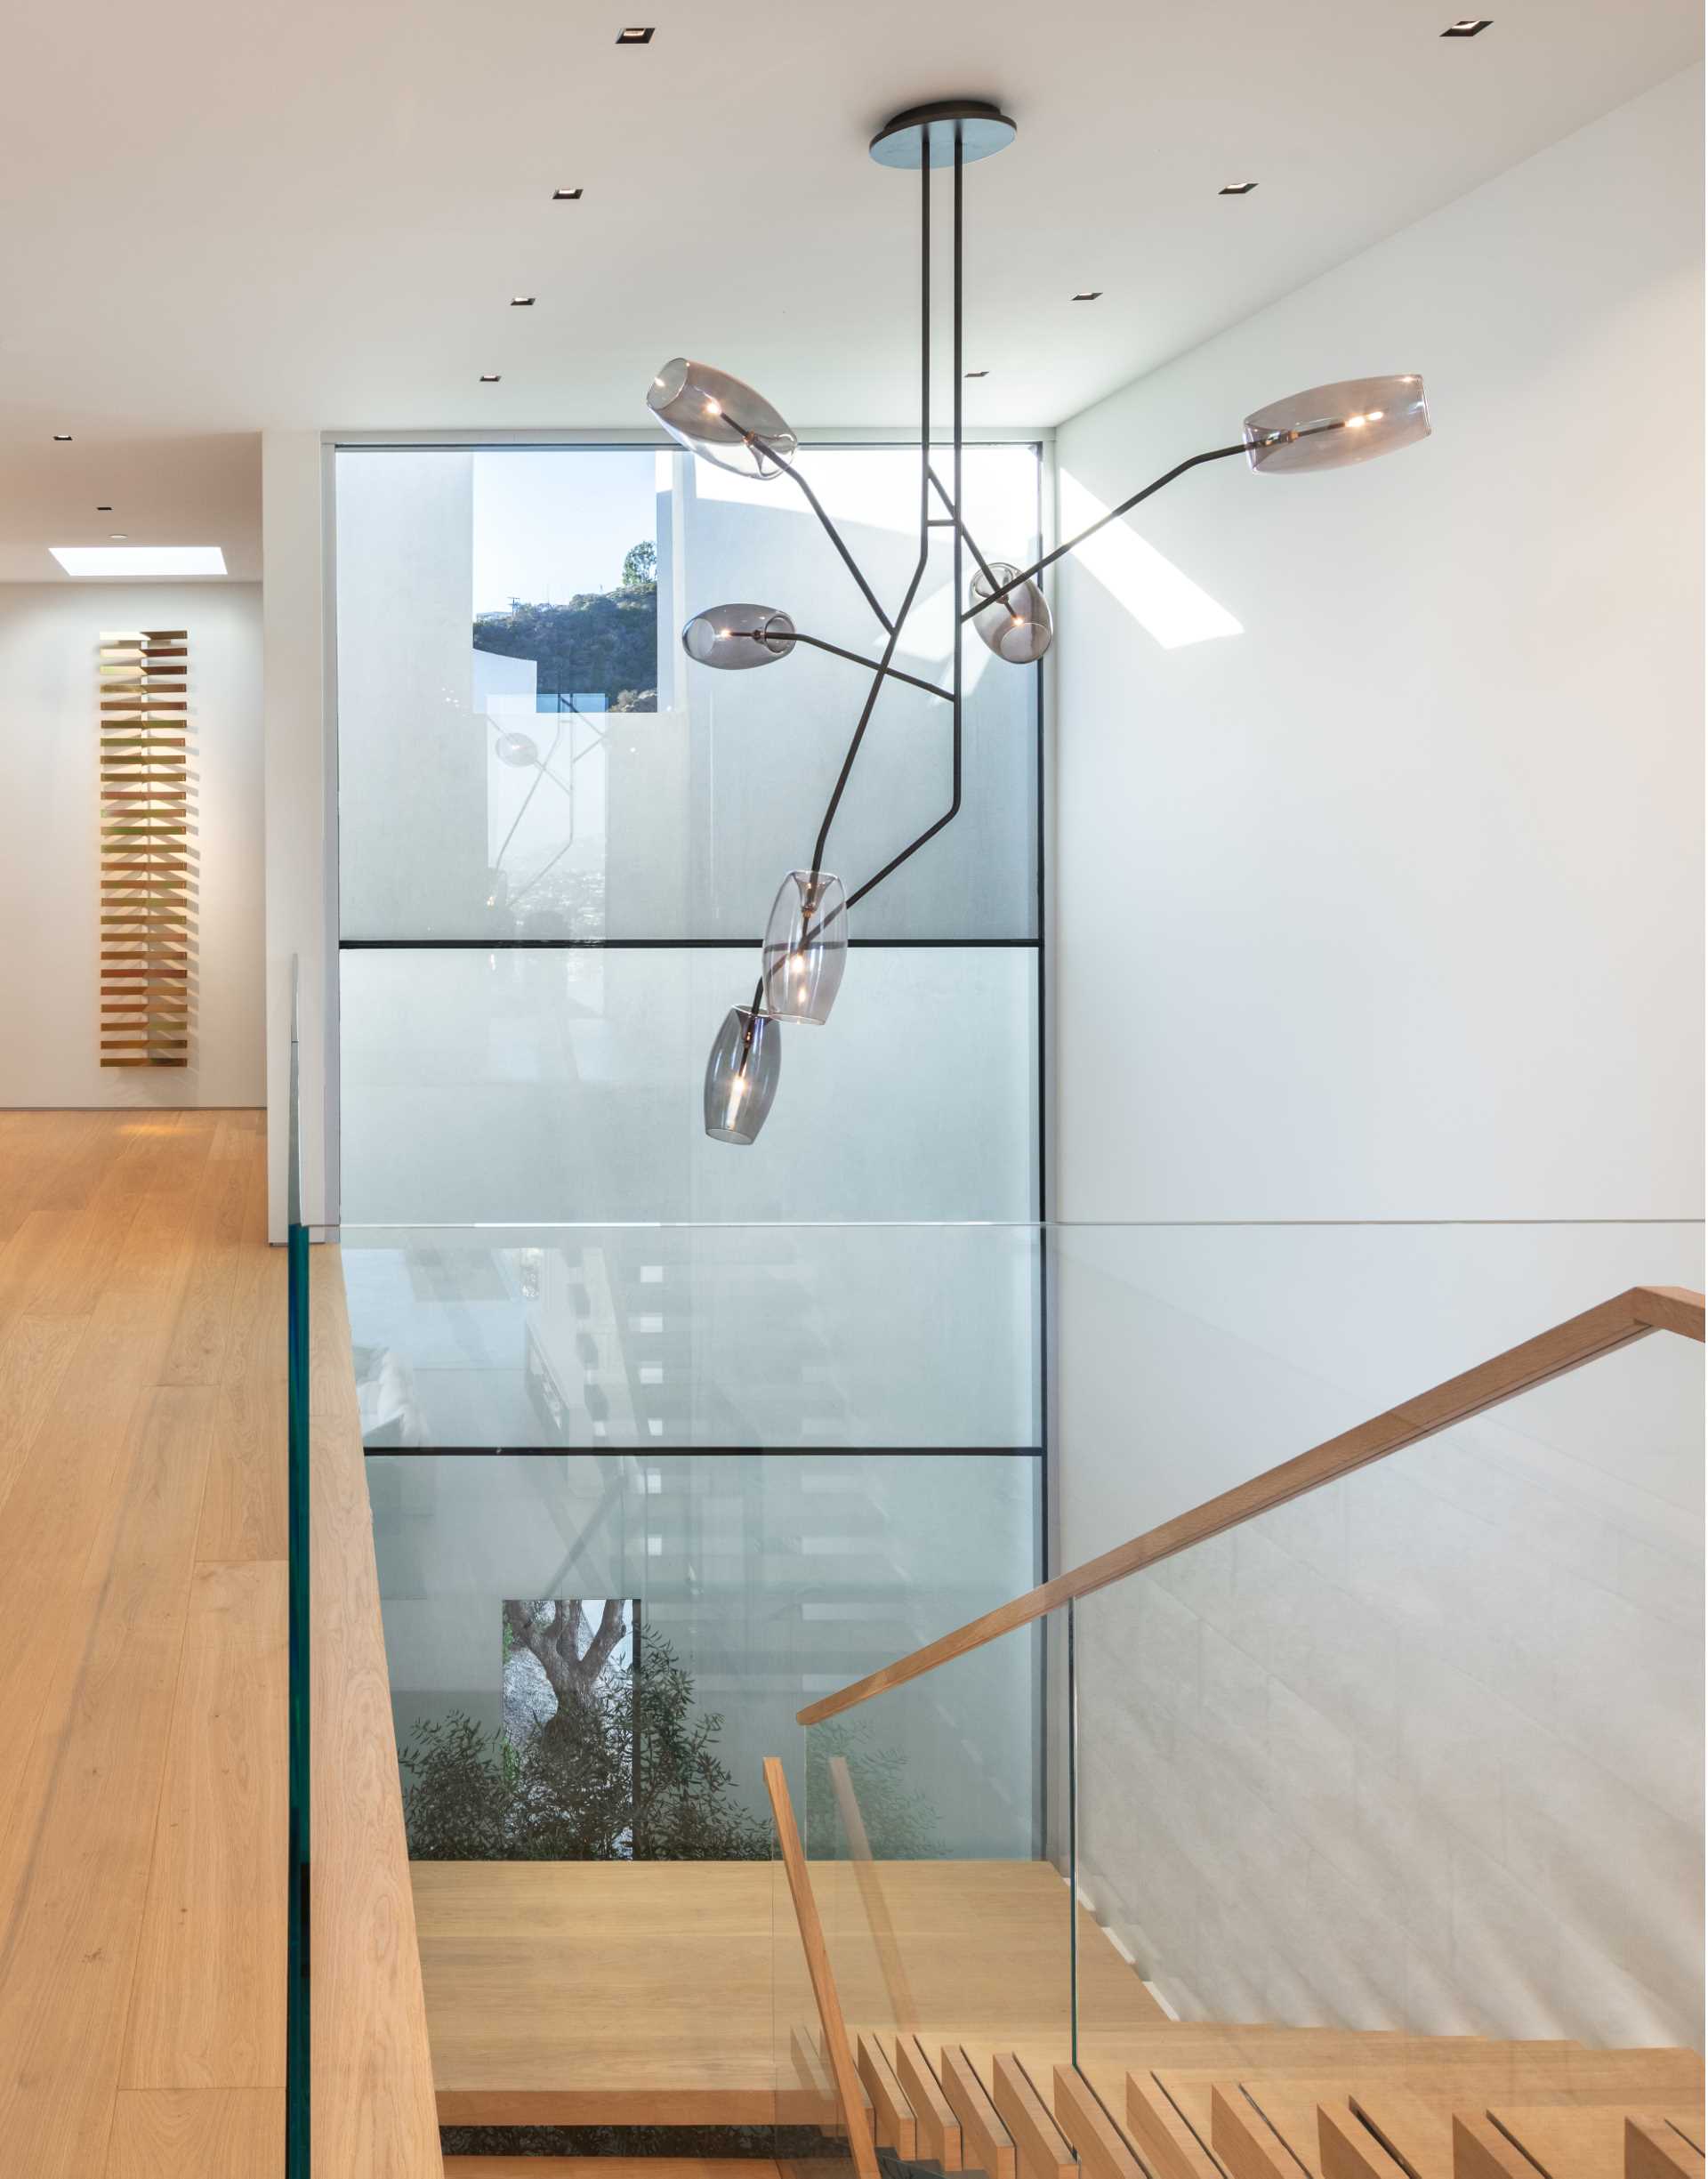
960,527
954,809
1216,454
882,673
832,532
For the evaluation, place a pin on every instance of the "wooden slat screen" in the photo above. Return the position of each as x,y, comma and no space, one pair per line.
147,866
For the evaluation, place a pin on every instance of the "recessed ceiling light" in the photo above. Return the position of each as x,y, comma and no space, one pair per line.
565,196
978,373
109,560
1236,188
522,302
103,509
490,378
119,535
1468,27
636,37
1088,294
62,439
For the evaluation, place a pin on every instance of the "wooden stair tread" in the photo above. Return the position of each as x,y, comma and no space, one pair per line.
1657,2147
1042,2148
1246,2145
1163,2136
610,2167
1572,2141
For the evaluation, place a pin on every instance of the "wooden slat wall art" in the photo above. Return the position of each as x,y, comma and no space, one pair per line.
148,865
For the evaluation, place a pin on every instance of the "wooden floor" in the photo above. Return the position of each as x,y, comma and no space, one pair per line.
142,1661
676,1993
701,1978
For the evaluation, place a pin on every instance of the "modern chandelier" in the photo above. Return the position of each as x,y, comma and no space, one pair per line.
722,421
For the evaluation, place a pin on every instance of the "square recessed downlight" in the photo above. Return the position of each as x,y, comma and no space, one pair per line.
1088,294
119,560
565,197
635,35
1468,27
1236,188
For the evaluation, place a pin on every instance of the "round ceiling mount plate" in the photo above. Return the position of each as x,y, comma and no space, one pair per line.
984,128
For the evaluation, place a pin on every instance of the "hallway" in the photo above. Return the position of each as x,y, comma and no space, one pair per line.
142,1657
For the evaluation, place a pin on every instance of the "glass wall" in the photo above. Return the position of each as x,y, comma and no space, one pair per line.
773,1414
559,842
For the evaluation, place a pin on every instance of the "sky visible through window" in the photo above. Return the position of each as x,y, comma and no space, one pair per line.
550,524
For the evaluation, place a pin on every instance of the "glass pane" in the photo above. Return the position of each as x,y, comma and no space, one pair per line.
524,750
760,1581
1422,1753
554,1086
941,1875
671,1336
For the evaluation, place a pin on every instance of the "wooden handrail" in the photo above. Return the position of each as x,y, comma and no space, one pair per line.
1629,1316
824,1982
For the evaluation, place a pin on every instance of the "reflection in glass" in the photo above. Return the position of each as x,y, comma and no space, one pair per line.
1016,622
1330,427
733,636
741,1075
713,414
806,947
516,748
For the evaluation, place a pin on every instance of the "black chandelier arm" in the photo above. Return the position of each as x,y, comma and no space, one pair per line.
831,530
1216,454
533,788
881,673
930,833
757,635
952,521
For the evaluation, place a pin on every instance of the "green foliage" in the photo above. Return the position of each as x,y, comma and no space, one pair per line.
603,642
629,1770
900,1821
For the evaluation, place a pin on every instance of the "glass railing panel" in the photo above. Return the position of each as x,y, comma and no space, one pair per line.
746,1584
297,1397
1417,1756
941,1870
805,1336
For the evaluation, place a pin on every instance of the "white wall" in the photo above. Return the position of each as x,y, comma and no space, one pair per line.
1404,884
1386,908
301,785
50,869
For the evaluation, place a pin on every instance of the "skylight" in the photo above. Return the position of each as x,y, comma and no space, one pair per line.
116,560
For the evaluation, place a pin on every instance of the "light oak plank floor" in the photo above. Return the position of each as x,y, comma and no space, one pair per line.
142,1686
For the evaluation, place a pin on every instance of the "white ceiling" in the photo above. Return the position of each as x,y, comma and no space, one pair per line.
220,219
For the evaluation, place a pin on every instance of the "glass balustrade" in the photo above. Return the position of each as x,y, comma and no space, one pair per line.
1399,1782
1403,1772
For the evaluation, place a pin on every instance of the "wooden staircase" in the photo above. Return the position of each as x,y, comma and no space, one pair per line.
1189,2101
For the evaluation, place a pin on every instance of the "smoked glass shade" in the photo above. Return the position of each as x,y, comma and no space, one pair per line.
741,1075
710,413
733,636
806,947
1329,427
1016,623
516,748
